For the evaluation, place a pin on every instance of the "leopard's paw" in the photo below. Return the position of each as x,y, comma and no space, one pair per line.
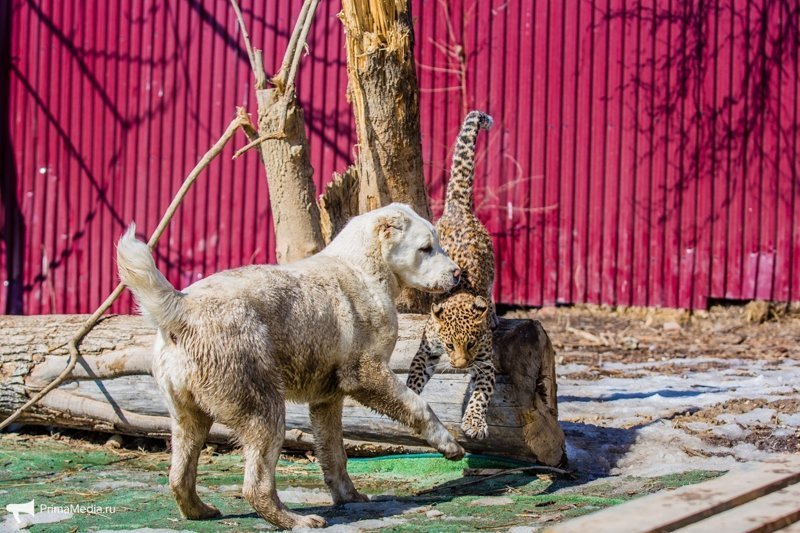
475,427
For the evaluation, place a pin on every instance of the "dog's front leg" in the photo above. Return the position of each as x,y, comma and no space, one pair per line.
326,421
378,388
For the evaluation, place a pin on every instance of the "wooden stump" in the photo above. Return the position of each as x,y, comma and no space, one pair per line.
112,391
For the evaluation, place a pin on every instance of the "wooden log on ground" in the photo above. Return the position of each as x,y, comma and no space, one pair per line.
111,389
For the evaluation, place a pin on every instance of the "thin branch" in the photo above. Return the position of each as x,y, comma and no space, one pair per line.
284,80
259,140
73,344
288,56
455,71
256,64
301,44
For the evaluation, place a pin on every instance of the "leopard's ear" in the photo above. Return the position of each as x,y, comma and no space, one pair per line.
436,310
481,308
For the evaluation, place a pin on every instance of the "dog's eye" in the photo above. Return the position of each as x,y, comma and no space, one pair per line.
426,249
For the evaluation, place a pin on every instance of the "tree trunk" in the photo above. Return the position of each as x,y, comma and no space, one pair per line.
111,389
385,96
282,143
292,194
383,89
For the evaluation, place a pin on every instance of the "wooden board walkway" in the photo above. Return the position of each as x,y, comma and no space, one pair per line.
756,497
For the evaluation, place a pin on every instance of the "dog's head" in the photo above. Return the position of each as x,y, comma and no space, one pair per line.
410,247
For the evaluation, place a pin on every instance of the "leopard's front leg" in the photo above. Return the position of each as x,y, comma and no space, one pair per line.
425,360
473,422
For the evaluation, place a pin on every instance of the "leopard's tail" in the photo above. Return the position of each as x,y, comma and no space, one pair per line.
156,297
462,173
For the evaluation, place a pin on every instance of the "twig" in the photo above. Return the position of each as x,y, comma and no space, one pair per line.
585,335
90,323
256,64
256,142
280,78
301,43
533,468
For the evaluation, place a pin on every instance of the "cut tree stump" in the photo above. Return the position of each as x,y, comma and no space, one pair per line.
111,389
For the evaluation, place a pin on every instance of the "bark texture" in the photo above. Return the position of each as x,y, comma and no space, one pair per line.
112,391
383,89
292,194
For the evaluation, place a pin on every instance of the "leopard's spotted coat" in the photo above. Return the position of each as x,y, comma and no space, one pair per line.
462,321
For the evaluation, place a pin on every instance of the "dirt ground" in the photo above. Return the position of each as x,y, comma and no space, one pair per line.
649,400
651,391
592,335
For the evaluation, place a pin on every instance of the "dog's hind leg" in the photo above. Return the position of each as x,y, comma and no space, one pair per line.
190,428
262,439
326,421
378,388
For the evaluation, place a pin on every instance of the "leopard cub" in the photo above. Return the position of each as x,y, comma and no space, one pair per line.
461,322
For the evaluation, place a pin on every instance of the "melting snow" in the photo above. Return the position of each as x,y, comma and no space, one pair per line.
618,425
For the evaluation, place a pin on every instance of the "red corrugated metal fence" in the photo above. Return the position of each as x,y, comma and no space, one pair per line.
644,152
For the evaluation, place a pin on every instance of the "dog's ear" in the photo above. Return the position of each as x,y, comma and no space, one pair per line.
481,308
391,225
437,309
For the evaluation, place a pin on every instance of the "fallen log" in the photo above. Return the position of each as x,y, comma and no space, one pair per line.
111,389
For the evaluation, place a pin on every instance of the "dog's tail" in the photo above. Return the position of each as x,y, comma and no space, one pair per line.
157,298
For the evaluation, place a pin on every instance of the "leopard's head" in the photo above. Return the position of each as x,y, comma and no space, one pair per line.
462,323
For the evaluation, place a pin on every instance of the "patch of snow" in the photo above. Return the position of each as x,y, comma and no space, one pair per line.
792,420
730,431
491,500
783,432
697,427
304,495
145,530
370,524
120,484
762,415
617,425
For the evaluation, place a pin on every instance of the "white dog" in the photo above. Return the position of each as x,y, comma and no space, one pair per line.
233,347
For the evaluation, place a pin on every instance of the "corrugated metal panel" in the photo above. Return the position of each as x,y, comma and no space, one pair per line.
644,153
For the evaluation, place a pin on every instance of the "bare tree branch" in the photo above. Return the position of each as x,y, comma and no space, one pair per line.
300,44
284,80
74,343
256,63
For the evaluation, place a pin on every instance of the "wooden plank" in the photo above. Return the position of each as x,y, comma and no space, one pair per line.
668,511
791,528
763,515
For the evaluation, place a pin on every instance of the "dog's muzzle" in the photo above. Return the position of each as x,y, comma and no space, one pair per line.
452,283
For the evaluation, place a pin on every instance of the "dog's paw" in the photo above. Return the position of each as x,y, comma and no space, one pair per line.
452,451
351,497
475,428
203,512
309,521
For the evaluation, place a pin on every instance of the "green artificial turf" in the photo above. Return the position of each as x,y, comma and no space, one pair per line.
134,486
